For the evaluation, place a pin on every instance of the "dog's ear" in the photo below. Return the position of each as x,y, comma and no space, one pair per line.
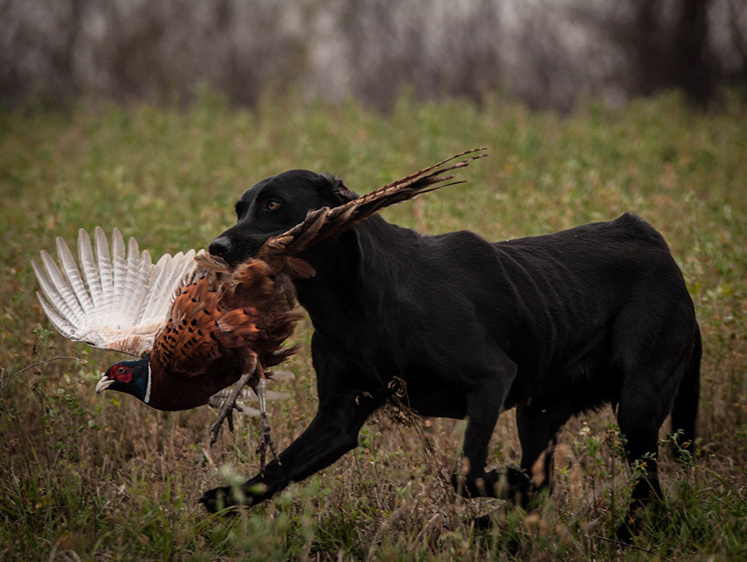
341,192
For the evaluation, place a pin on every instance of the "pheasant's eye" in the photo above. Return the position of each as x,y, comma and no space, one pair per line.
272,205
123,374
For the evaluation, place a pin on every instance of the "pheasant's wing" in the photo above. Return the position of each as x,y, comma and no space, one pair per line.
224,317
201,329
325,222
111,298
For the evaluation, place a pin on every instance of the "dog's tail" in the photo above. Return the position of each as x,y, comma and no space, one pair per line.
327,222
685,410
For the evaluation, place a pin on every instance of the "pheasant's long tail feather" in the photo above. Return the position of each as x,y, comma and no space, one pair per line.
427,179
325,222
112,298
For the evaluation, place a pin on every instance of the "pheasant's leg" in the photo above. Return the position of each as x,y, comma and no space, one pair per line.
229,404
265,437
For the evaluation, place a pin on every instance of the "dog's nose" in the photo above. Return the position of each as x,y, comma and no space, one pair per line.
220,246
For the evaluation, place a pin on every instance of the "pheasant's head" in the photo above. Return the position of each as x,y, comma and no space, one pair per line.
132,377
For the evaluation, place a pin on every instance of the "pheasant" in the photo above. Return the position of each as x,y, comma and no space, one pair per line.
198,324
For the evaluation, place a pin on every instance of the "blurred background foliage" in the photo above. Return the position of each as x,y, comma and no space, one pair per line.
545,52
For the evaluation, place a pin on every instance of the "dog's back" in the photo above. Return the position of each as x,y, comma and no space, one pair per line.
564,307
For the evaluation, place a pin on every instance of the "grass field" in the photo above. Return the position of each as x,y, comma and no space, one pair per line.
87,477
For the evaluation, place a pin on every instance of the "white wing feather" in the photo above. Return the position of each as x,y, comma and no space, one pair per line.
164,279
104,263
114,299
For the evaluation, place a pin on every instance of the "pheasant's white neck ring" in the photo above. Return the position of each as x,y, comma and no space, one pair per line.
147,388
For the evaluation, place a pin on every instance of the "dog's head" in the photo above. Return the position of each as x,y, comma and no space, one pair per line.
275,205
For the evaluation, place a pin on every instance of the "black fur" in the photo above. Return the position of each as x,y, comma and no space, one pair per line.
554,325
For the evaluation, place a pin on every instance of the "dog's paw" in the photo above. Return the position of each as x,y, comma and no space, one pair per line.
217,499
226,499
513,484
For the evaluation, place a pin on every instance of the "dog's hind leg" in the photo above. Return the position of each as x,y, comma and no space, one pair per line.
645,403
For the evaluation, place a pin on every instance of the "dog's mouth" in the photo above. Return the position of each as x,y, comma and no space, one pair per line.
236,249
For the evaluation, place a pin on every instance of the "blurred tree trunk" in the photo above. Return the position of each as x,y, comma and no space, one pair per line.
67,60
693,64
738,39
672,50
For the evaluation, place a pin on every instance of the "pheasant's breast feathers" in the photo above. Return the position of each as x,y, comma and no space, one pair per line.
271,294
269,291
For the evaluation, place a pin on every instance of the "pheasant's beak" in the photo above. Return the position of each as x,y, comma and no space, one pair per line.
104,383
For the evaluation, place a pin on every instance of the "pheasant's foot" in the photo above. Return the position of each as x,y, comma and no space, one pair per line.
226,414
229,418
229,405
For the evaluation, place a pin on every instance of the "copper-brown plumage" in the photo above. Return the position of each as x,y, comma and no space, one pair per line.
239,313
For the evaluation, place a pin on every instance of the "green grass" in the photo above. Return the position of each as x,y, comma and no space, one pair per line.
106,477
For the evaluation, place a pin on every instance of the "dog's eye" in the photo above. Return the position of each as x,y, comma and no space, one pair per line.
272,205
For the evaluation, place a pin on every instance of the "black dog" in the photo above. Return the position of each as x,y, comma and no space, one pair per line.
554,325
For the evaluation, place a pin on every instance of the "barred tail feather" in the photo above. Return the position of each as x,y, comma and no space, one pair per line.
325,222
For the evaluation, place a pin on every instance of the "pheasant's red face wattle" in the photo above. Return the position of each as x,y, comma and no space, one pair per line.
122,373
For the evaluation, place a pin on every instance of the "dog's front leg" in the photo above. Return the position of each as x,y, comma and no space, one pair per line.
332,433
484,405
